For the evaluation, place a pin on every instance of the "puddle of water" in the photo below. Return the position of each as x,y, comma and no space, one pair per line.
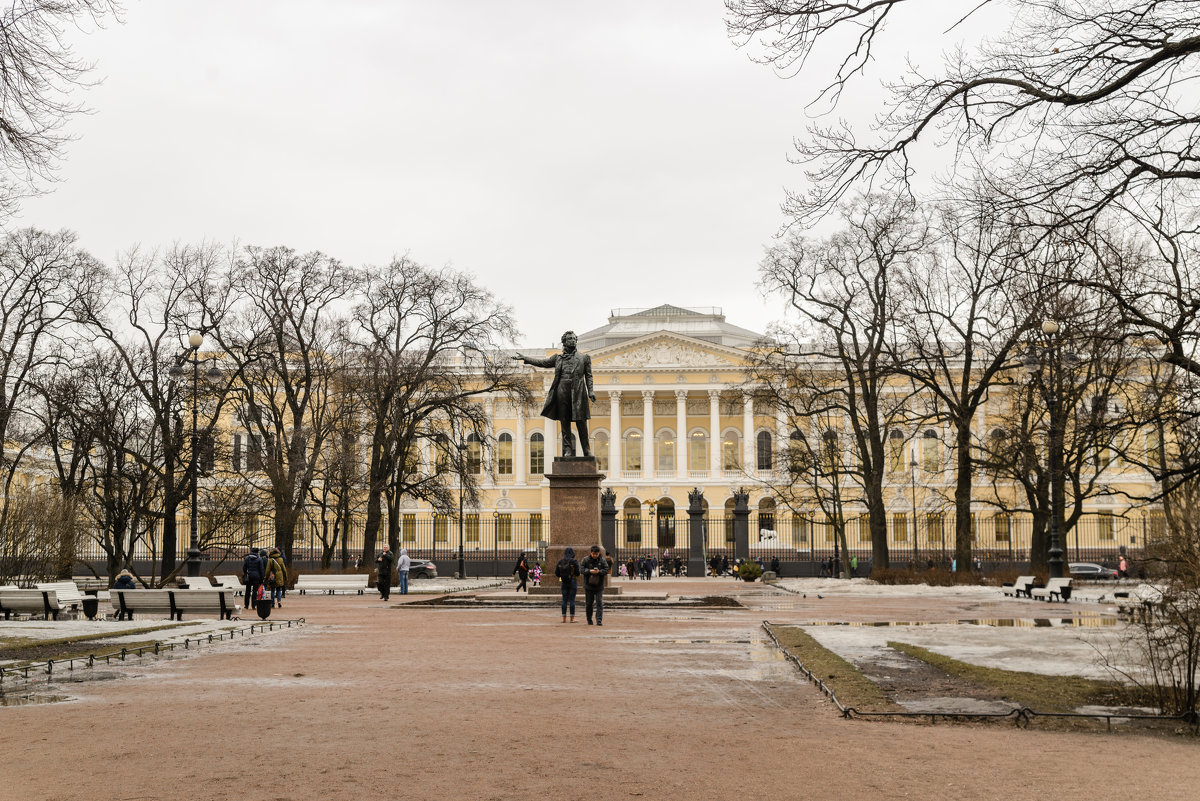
27,700
1034,622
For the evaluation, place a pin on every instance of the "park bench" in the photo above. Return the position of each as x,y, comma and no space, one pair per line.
175,603
18,601
229,582
332,583
196,582
69,595
1141,602
1059,588
1020,587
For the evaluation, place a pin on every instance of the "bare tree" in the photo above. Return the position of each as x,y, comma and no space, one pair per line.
427,348
42,276
842,291
274,322
960,328
1073,106
39,74
149,305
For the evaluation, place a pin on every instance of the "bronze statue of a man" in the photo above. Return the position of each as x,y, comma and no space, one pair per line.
570,392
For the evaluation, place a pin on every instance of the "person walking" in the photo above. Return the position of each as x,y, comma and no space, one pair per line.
594,568
383,573
1123,567
522,571
567,571
403,565
536,573
277,577
252,577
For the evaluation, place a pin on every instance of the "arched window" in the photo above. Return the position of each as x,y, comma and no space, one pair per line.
798,457
632,509
729,452
600,449
896,452
504,454
474,454
664,450
633,450
698,451
442,460
763,451
930,451
537,454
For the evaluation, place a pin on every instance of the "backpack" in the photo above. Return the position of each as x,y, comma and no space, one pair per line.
565,569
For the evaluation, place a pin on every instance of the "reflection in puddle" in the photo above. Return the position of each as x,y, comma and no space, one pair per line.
1084,621
26,700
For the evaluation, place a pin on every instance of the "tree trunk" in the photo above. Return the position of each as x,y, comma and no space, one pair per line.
877,517
962,501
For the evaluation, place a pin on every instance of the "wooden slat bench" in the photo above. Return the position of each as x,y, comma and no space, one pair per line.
332,583
175,603
196,583
1140,603
69,595
1020,587
1056,588
229,582
18,601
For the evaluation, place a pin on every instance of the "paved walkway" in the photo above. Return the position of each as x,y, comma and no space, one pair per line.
400,701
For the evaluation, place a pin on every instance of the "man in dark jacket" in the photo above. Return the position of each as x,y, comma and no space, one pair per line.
383,573
594,568
252,577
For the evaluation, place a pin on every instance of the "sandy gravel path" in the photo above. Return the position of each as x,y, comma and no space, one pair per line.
374,701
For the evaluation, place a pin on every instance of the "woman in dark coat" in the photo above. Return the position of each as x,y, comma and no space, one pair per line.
567,571
522,571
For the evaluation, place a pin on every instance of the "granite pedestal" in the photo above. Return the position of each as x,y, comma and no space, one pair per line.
574,517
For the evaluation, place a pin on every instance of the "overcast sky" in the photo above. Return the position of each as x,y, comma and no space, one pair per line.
575,157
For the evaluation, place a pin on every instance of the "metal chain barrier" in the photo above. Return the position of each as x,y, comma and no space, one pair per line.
23,671
1021,716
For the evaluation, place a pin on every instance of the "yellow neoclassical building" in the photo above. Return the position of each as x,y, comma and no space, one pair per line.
675,412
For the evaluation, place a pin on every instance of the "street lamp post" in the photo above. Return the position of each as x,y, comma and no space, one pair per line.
462,568
830,436
912,473
195,340
1052,349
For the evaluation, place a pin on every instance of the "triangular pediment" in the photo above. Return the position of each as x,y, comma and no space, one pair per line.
666,351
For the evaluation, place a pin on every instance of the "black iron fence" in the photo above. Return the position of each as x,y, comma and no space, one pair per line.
496,539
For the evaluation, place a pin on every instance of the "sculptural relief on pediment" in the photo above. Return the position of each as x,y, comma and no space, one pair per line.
665,355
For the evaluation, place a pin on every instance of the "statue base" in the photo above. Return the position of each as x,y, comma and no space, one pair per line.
574,512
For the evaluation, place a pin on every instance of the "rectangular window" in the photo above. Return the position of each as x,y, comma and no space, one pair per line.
864,528
537,455
896,454
800,525
1105,527
236,460
471,528
535,527
1156,531
440,528
504,528
729,534
633,452
830,531
408,528
935,529
900,527
1003,524
504,456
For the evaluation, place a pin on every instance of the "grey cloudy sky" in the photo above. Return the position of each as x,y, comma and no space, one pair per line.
575,157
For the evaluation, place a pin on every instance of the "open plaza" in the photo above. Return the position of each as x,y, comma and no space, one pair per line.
485,694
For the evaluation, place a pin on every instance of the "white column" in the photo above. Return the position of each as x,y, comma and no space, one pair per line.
783,439
714,433
614,433
749,463
681,440
520,459
647,433
489,444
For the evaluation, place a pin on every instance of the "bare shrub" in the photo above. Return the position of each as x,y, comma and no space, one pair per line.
38,535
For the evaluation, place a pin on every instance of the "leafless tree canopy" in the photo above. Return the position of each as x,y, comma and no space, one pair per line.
1077,105
39,75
